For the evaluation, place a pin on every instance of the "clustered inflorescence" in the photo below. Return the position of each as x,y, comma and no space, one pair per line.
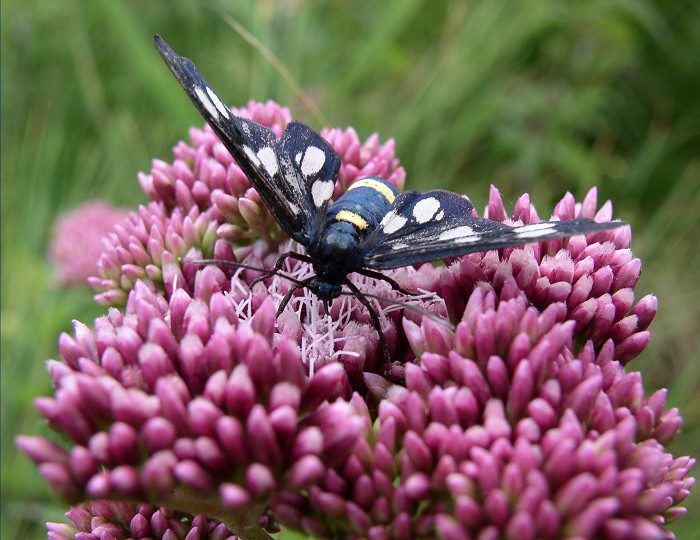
192,411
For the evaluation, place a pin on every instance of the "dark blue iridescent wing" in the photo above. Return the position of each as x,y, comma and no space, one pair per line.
294,176
423,227
308,158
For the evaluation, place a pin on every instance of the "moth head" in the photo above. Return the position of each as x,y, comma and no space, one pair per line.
324,289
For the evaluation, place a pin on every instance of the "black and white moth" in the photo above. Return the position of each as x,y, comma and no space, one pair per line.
372,226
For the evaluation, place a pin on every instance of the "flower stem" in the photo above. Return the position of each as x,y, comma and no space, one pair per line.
244,524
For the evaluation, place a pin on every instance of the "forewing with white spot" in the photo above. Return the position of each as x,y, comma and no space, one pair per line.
313,165
296,192
422,227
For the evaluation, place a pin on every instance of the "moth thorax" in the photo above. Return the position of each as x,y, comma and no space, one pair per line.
336,252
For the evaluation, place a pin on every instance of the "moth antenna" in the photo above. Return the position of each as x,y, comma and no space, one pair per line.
240,265
220,261
410,307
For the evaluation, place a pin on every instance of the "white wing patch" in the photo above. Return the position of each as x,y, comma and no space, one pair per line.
533,231
425,209
206,102
464,233
217,102
321,191
313,161
392,222
251,155
269,160
469,239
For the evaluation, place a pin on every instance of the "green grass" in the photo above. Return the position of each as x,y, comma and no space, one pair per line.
541,97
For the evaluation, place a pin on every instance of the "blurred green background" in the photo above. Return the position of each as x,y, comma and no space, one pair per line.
543,97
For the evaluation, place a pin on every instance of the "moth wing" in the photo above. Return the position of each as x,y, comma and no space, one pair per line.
289,188
423,227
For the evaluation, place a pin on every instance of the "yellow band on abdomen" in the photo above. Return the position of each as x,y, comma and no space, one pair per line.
351,217
376,186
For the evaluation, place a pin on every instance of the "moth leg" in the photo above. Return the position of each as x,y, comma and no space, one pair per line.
278,266
290,292
395,286
375,318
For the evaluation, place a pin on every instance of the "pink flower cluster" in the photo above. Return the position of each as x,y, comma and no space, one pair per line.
184,394
76,243
503,430
109,519
508,411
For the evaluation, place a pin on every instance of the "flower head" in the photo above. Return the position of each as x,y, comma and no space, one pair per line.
170,399
506,432
76,243
108,519
591,277
507,411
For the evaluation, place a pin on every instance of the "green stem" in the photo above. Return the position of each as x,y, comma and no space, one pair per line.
244,524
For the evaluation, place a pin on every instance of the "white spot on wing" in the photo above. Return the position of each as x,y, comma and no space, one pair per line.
469,239
297,157
440,215
269,160
321,190
425,209
313,161
392,222
206,102
217,102
294,208
251,156
464,233
533,231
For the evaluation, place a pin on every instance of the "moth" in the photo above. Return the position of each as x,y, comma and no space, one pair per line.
372,226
